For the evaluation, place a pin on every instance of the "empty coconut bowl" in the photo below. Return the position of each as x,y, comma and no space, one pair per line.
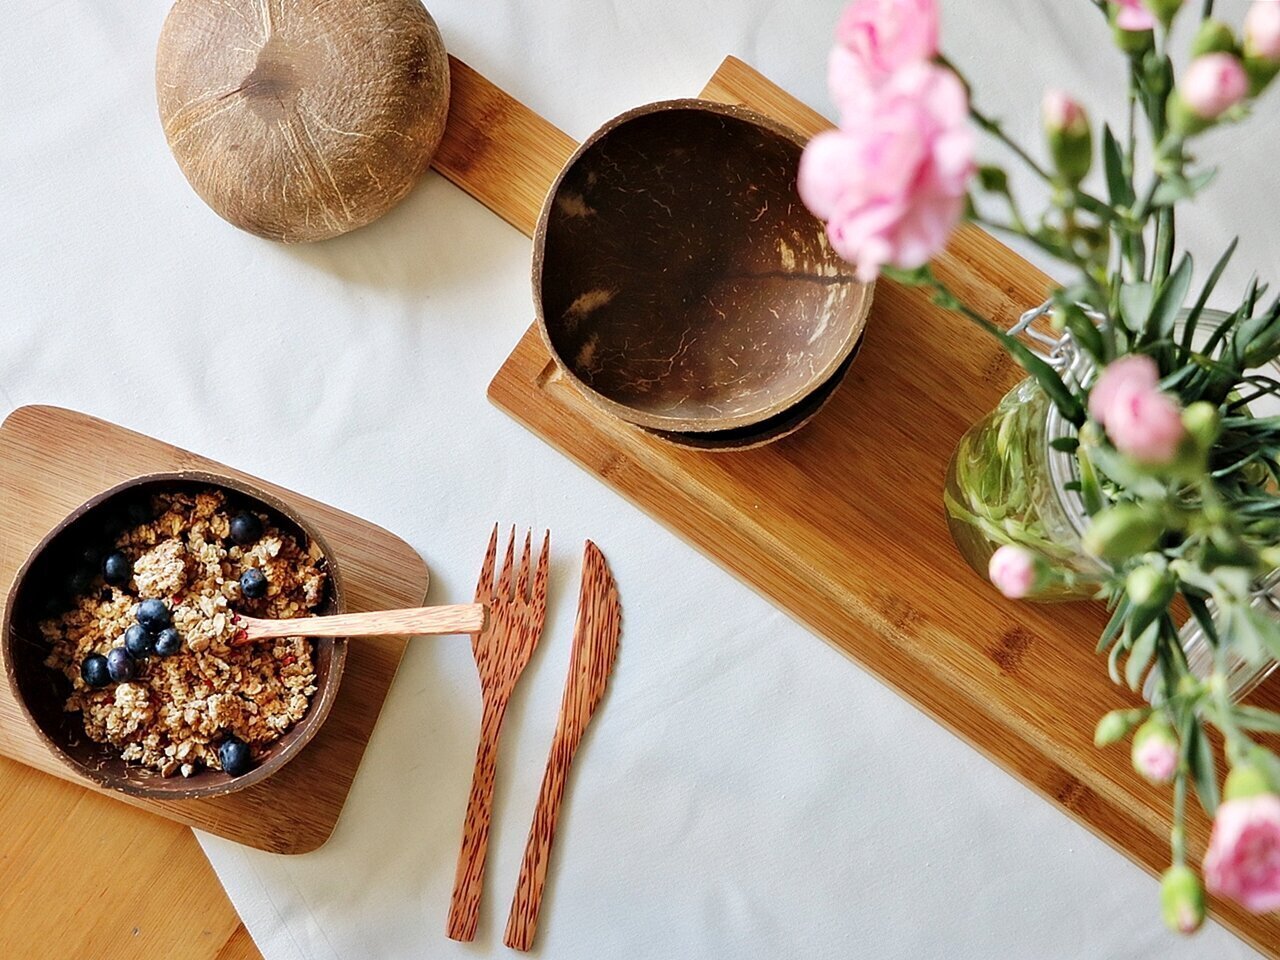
769,431
41,691
679,280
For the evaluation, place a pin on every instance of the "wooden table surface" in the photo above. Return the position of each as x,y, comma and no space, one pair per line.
66,897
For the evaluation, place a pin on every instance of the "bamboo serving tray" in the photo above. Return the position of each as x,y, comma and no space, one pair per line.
842,524
51,461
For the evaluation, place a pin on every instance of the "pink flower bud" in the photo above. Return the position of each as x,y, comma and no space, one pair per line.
1213,84
1060,112
1243,860
1134,15
1015,571
1155,751
1182,899
1136,371
1262,30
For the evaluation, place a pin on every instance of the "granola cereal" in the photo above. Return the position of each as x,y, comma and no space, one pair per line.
176,710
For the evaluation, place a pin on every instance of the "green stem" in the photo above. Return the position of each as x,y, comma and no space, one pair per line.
1162,259
1178,836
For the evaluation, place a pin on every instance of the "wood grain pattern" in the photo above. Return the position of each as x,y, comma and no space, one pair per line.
413,622
497,149
51,460
502,651
66,853
842,526
595,650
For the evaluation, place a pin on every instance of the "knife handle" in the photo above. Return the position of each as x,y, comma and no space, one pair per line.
522,922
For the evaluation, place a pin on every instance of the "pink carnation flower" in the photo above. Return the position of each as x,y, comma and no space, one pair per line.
1243,860
1141,421
891,185
874,40
1136,371
1134,15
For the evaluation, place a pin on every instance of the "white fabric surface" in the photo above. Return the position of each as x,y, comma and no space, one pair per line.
746,791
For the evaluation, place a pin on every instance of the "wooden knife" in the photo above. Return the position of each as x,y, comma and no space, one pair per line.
595,647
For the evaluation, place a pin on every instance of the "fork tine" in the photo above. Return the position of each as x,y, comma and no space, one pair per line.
522,578
484,587
539,597
508,565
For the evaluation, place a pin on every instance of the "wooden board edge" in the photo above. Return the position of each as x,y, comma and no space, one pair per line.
1120,828
409,560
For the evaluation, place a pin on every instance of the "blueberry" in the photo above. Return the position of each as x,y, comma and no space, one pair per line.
253,584
138,642
120,665
153,615
168,643
235,756
245,529
94,670
116,569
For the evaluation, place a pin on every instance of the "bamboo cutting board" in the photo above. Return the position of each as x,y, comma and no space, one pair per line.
842,525
51,461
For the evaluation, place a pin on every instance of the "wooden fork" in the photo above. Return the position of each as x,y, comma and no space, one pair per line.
502,651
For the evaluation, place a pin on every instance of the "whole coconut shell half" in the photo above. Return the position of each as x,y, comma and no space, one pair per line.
300,120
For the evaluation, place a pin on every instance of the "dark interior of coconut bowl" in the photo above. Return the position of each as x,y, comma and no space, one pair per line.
679,277
43,589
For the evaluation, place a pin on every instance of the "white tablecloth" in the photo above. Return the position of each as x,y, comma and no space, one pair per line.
746,791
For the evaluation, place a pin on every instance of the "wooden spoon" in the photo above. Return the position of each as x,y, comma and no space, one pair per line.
415,621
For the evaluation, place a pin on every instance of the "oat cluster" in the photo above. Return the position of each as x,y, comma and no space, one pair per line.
175,712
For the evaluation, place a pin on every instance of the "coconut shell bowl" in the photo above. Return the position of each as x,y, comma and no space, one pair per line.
681,284
39,589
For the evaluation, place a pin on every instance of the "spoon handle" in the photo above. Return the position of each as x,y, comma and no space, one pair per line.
416,621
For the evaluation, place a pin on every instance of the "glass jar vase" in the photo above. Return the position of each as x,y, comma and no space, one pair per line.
1008,483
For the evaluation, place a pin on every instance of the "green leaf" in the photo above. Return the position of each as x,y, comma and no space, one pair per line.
1193,317
1200,610
1197,754
1065,444
1256,719
1113,663
1114,624
1176,188
993,179
1136,300
1046,376
1090,485
1144,648
1083,330
916,277
1119,187
1265,628
1170,299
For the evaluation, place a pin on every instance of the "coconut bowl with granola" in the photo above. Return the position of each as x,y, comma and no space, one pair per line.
119,637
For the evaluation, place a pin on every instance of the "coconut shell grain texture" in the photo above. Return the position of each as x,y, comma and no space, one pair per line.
679,280
299,120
